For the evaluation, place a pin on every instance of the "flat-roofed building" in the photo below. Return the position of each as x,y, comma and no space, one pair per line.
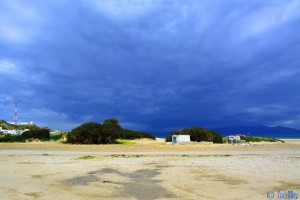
181,139
234,139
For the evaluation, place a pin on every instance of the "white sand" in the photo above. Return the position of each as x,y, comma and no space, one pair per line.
147,177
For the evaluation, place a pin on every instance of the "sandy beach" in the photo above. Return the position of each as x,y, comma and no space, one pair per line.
146,145
130,176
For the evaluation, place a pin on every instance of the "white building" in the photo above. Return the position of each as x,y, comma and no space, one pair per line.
234,139
22,123
181,139
14,132
55,131
25,123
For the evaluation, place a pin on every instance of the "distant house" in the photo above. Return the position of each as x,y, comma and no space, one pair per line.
234,139
21,123
55,131
4,131
181,139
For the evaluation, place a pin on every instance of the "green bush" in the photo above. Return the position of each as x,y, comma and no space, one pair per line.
259,139
169,138
41,133
131,135
86,157
216,137
58,136
198,134
225,140
106,133
94,133
111,121
12,138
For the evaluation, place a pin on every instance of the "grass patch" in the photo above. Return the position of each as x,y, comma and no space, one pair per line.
225,155
125,156
126,142
86,157
117,155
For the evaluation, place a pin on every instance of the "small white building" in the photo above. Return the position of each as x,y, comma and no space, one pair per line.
14,132
234,139
55,131
21,123
181,139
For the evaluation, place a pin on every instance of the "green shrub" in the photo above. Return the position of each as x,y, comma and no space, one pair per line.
12,138
94,133
58,136
86,157
41,133
131,135
106,133
169,138
111,121
258,139
198,134
216,137
225,140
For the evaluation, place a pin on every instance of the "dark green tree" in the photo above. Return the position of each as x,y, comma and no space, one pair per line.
87,133
216,137
169,138
41,133
199,134
111,121
130,134
106,133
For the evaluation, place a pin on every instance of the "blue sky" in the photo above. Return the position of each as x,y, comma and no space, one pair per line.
155,65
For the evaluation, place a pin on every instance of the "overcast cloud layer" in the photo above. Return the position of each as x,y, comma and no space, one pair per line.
155,65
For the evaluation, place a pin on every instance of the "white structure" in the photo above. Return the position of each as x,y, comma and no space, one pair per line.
181,139
14,132
234,139
55,132
22,123
26,123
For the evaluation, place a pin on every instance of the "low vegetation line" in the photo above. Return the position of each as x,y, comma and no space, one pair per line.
86,157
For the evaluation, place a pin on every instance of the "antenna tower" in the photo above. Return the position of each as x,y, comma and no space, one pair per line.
16,114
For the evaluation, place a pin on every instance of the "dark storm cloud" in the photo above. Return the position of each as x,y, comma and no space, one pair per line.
155,65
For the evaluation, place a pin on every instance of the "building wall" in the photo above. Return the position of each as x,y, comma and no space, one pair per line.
176,139
234,139
12,131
